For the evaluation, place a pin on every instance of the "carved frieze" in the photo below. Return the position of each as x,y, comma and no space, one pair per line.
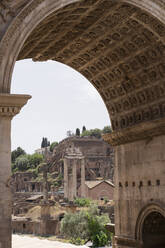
120,48
5,10
9,111
144,130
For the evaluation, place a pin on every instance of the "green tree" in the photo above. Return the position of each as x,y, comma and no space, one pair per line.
97,231
45,143
83,129
75,225
96,133
93,133
106,129
82,202
86,225
22,163
53,145
77,132
86,133
16,153
35,159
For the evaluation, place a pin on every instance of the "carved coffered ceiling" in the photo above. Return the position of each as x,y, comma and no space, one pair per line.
117,46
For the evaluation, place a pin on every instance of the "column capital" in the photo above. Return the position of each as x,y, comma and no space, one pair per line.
11,104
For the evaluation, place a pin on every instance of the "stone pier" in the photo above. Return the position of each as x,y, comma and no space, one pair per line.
10,105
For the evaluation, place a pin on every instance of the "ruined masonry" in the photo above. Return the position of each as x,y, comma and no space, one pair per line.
119,46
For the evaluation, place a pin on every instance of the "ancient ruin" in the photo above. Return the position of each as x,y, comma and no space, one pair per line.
119,45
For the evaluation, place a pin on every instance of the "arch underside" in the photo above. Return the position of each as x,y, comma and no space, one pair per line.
120,49
154,231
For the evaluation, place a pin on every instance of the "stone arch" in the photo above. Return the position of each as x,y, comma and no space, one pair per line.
112,72
144,214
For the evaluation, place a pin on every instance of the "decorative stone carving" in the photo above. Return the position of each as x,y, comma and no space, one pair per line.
10,105
5,10
119,49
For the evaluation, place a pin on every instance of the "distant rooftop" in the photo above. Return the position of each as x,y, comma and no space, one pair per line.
92,184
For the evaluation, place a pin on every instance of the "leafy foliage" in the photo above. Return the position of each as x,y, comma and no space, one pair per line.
45,143
93,133
77,132
82,202
78,241
53,145
107,129
86,225
16,153
75,225
97,231
83,129
22,163
35,159
96,132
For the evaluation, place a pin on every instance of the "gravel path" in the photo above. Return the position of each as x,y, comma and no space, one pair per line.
20,241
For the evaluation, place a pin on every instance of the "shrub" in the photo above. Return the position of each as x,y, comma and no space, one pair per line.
22,163
82,202
75,225
97,231
78,241
107,129
35,159
86,225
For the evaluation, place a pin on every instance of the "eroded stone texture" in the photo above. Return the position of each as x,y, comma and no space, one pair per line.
10,105
117,46
139,184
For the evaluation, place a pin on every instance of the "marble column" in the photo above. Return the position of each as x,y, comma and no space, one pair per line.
65,177
10,105
74,179
83,177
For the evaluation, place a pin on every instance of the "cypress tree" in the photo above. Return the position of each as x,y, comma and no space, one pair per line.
77,132
83,129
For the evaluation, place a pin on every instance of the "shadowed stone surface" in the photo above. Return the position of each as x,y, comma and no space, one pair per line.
119,45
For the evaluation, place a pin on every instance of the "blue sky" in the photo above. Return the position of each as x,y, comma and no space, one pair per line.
62,99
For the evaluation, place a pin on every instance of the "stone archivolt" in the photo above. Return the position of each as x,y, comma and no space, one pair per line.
117,46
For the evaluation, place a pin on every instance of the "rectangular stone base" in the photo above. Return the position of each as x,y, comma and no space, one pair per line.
123,242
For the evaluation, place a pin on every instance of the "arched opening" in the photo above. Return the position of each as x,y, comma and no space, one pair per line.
153,231
119,46
62,100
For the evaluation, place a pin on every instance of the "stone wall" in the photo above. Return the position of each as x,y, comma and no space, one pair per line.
99,157
140,177
50,227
